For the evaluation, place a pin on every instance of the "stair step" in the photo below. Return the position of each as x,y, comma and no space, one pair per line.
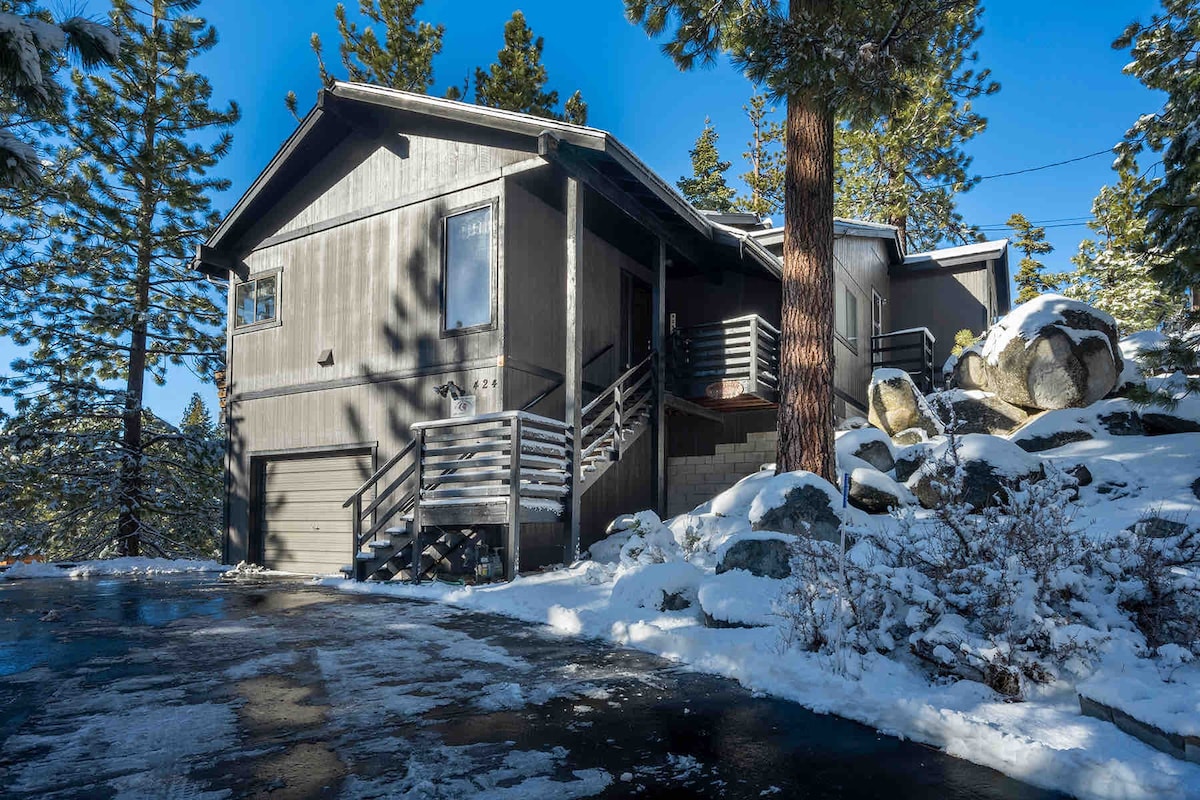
365,556
348,569
380,544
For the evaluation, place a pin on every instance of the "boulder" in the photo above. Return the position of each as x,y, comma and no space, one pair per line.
766,555
1122,423
1049,353
1158,527
669,586
874,492
910,436
974,411
799,503
867,444
990,465
895,405
1051,440
910,459
1161,421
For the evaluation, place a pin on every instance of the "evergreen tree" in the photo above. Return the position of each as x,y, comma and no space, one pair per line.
517,79
1115,272
1165,59
196,418
765,157
1031,240
706,188
906,167
112,300
33,48
830,59
402,60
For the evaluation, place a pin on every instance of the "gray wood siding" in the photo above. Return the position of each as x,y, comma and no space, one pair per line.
945,301
861,264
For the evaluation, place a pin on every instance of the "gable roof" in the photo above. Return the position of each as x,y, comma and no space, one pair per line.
773,237
995,252
593,155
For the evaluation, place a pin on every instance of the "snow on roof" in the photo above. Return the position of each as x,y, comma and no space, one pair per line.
950,255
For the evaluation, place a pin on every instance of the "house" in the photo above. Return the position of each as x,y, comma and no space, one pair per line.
455,330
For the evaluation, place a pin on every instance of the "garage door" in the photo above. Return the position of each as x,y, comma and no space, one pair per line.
305,529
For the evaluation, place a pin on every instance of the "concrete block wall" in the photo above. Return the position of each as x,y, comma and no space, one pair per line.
692,480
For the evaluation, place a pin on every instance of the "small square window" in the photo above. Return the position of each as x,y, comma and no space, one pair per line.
467,285
255,301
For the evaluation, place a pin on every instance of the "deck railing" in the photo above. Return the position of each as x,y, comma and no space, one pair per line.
909,350
725,359
607,417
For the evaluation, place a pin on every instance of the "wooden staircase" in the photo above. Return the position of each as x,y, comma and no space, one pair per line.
492,469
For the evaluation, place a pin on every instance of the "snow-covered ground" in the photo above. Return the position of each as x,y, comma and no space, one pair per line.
1043,739
110,567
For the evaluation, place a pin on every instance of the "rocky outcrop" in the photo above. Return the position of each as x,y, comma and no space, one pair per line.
765,556
894,405
975,411
1049,353
866,444
874,492
799,503
990,466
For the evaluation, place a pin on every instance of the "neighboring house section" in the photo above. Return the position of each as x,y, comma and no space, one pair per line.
453,328
950,290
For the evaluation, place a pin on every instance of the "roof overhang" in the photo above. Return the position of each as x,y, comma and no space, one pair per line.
978,255
590,154
889,234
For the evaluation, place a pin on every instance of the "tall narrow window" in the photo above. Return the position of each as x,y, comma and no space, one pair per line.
467,285
255,301
846,314
876,313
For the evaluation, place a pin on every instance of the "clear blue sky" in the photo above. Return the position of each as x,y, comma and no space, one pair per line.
1063,95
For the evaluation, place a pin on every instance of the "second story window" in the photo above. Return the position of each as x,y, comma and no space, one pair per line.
256,301
467,273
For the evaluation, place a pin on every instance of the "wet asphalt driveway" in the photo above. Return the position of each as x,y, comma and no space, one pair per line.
189,689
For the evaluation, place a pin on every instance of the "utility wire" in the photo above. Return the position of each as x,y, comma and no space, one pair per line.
1022,171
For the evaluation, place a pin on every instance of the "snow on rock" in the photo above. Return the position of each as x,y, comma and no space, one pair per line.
739,599
869,444
801,503
112,566
1051,352
894,405
876,493
670,586
974,411
763,553
989,464
1133,350
1165,694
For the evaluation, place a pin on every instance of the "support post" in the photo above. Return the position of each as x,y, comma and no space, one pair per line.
658,414
512,547
417,549
574,362
356,543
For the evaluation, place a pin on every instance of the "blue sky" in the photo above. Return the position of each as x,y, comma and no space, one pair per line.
1062,95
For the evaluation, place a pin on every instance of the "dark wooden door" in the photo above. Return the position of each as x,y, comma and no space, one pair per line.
637,319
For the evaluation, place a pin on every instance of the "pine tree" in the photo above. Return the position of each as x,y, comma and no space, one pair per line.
516,81
830,59
112,300
706,188
1115,272
1165,59
196,418
906,167
1031,240
33,48
402,60
764,179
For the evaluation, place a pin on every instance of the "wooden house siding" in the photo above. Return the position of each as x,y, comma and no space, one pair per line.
861,265
945,300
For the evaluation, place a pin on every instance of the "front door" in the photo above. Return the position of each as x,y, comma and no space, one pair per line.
637,319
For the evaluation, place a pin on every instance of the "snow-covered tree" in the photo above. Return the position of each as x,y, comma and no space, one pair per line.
906,167
109,300
1116,271
706,187
764,155
1030,239
1166,58
830,59
394,49
516,81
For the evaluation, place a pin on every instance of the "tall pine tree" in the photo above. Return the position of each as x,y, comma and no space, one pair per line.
516,81
1166,58
906,166
830,59
402,59
764,155
112,300
706,188
1115,271
1030,239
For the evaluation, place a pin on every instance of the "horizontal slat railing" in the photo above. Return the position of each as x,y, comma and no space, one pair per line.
910,350
742,349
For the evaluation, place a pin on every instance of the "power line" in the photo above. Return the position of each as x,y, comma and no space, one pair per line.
1023,171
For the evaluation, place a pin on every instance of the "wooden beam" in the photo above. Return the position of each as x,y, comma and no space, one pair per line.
217,264
659,344
574,360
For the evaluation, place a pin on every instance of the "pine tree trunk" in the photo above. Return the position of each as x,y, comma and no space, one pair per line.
806,352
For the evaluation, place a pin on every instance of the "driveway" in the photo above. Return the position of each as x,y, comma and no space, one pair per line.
191,689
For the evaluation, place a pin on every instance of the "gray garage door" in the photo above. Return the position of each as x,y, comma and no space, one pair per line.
305,529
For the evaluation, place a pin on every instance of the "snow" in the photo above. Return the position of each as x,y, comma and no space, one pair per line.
1005,458
847,443
112,566
1027,321
774,493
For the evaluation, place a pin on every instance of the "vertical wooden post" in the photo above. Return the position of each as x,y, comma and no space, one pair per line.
659,382
356,543
512,547
754,340
417,549
618,421
574,362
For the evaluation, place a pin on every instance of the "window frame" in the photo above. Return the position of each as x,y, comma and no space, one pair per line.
850,342
274,322
493,206
876,304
